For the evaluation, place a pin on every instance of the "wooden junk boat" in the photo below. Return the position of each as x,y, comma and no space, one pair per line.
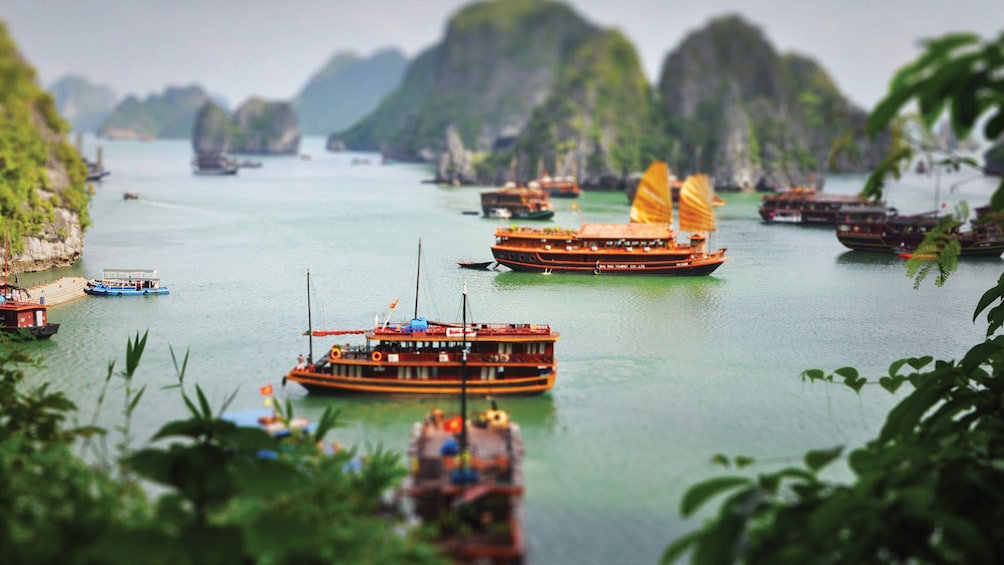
646,246
19,314
559,187
423,357
519,203
808,206
466,482
904,234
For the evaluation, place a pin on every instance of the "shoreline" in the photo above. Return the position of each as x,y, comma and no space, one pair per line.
59,291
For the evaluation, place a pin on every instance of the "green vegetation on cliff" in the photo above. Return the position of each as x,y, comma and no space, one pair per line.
747,114
39,169
498,60
170,115
599,118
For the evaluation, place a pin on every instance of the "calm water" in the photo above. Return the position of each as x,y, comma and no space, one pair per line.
655,374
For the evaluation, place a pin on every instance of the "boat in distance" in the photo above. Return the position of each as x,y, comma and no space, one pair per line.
212,163
646,246
807,206
126,282
519,203
904,234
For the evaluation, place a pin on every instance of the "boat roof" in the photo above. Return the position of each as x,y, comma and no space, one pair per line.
441,331
625,231
129,274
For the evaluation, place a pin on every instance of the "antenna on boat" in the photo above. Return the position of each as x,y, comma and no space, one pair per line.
418,273
310,328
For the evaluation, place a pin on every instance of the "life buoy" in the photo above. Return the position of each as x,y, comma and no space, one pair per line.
336,352
377,356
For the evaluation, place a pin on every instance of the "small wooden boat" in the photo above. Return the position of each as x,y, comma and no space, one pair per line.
212,163
126,282
476,265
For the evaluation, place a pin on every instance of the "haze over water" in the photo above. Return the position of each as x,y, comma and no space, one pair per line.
655,375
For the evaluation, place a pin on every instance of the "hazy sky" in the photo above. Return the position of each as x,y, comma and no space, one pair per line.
240,48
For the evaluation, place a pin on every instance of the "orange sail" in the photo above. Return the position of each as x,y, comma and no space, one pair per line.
652,202
696,199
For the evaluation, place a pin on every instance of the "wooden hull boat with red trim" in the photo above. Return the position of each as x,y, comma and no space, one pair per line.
518,203
646,246
19,315
903,234
807,206
426,358
466,483
559,187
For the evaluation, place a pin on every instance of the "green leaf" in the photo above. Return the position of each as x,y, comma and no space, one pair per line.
742,461
813,375
700,493
207,411
679,547
817,459
891,384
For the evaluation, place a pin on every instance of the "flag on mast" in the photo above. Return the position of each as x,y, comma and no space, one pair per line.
393,305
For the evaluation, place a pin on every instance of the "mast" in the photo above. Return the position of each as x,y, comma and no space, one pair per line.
463,378
310,328
418,273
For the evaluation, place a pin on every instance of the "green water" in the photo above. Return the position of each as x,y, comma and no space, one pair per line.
655,374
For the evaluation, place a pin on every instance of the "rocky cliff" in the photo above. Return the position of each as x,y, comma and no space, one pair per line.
42,183
82,103
497,62
258,127
346,89
752,117
170,115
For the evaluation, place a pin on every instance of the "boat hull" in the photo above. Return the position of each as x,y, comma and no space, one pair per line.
125,291
322,382
599,263
39,332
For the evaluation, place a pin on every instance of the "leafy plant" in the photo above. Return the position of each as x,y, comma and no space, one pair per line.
928,488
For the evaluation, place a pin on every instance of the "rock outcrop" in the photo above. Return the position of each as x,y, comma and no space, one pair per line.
43,177
84,104
258,127
751,117
498,61
170,115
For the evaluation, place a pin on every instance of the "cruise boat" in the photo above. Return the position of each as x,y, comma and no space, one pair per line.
646,246
519,203
214,164
466,483
904,234
559,187
806,205
19,314
426,358
466,480
126,282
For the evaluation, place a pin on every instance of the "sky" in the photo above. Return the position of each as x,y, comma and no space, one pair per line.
243,48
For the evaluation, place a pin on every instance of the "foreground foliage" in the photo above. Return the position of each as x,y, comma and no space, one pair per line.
930,487
229,494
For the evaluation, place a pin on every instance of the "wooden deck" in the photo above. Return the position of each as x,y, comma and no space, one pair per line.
60,291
